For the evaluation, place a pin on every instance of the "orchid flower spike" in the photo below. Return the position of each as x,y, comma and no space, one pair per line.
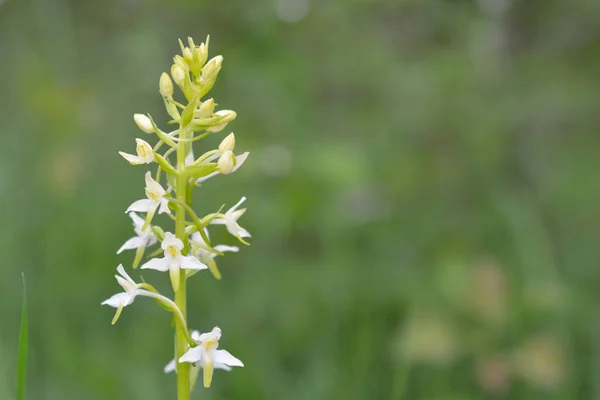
173,261
230,218
156,198
208,356
171,366
145,155
199,248
125,298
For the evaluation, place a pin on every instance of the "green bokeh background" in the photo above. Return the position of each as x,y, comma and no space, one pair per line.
422,185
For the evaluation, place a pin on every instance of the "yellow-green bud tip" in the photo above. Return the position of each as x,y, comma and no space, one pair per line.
165,85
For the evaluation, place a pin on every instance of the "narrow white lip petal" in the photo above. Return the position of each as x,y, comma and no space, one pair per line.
225,357
131,244
170,367
191,262
158,264
223,248
193,355
207,177
144,205
131,158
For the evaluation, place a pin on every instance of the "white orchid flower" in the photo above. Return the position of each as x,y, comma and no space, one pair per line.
125,298
208,356
173,261
145,155
144,238
199,249
171,366
132,290
227,161
156,199
230,221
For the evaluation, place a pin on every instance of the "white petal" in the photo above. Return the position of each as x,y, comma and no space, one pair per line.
191,262
189,159
132,243
240,160
153,186
218,365
207,177
170,367
171,240
224,248
124,274
144,205
225,357
135,160
232,209
193,355
158,264
138,221
214,334
119,299
164,206
218,221
236,230
195,336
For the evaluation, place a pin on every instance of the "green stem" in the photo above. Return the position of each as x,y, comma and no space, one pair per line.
183,369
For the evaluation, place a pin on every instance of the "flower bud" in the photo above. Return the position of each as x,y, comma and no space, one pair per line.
165,85
212,68
143,122
206,109
202,53
227,144
226,162
178,74
225,116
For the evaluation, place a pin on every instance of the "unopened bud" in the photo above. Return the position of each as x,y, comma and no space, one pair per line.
206,109
143,122
226,162
165,85
178,74
225,116
212,68
227,144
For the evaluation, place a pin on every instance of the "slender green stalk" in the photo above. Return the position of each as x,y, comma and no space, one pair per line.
22,363
183,369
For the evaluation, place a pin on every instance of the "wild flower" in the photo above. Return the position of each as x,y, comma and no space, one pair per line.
186,248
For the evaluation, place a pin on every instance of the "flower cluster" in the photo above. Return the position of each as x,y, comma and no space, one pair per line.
187,249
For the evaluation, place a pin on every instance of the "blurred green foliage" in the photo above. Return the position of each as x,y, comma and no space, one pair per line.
423,196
